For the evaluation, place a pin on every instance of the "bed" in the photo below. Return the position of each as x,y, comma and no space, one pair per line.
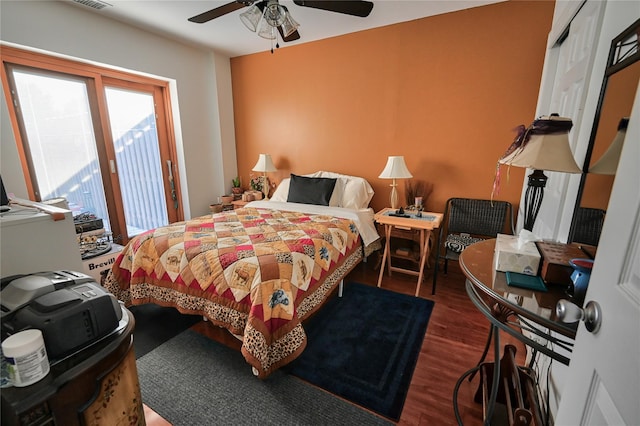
258,271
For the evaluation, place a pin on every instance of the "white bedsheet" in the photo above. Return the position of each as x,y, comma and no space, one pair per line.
362,218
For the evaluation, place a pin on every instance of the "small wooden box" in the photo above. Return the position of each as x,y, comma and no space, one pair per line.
555,261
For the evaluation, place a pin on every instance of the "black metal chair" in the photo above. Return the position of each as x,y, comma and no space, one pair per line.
588,225
467,221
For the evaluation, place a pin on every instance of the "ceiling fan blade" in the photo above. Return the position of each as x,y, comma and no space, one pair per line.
219,11
349,7
291,37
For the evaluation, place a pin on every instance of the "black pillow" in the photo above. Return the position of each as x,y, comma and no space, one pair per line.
310,190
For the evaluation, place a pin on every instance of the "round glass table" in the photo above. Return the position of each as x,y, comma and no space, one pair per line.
525,314
514,309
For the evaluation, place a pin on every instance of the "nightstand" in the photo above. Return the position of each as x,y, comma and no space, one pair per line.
408,224
238,204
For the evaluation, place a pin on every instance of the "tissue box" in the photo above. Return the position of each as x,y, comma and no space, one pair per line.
511,258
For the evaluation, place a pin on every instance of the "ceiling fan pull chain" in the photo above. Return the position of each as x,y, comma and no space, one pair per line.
275,37
271,41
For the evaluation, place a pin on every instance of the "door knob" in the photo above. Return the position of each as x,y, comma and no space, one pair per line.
591,314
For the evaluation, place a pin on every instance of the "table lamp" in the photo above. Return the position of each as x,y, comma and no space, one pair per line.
544,145
608,163
264,165
395,169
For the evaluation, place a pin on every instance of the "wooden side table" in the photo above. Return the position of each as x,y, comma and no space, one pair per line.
425,224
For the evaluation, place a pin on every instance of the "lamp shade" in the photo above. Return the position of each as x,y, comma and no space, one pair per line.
395,169
608,163
264,164
267,31
251,17
289,25
274,14
544,146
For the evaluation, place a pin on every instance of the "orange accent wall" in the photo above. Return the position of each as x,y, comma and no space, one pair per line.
444,91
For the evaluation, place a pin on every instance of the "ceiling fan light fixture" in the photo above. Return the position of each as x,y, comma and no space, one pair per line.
268,18
274,13
289,25
251,17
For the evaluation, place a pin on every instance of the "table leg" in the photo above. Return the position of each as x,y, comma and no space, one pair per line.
484,352
385,256
495,382
424,253
496,376
387,231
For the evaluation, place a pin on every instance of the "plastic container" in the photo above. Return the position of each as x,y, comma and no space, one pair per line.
26,357
580,278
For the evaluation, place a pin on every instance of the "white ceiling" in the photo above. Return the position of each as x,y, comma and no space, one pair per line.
228,36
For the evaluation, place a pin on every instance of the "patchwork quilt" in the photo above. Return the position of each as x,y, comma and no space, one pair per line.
256,272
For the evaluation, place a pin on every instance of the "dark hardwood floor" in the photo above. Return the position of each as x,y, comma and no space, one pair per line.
455,338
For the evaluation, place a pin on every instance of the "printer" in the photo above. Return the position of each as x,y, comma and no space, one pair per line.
70,309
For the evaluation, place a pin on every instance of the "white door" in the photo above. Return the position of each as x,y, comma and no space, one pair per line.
570,61
572,72
603,381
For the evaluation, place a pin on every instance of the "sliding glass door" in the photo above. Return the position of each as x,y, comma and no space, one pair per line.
61,150
137,158
102,143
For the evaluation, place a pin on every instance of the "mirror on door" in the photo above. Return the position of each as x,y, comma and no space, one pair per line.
607,137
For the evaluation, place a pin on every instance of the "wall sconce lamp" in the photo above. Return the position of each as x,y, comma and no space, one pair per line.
608,163
264,165
544,145
395,169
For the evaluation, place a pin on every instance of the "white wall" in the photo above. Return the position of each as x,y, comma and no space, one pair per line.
200,82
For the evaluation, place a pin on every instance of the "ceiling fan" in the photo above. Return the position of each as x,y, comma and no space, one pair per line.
265,16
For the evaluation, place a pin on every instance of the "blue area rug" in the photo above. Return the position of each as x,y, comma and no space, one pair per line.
364,347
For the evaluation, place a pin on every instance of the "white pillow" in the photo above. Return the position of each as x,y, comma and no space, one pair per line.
356,191
336,195
282,192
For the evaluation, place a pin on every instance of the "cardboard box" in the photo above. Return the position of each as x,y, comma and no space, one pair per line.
98,265
508,257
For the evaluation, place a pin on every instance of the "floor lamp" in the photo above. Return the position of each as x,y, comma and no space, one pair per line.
544,145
